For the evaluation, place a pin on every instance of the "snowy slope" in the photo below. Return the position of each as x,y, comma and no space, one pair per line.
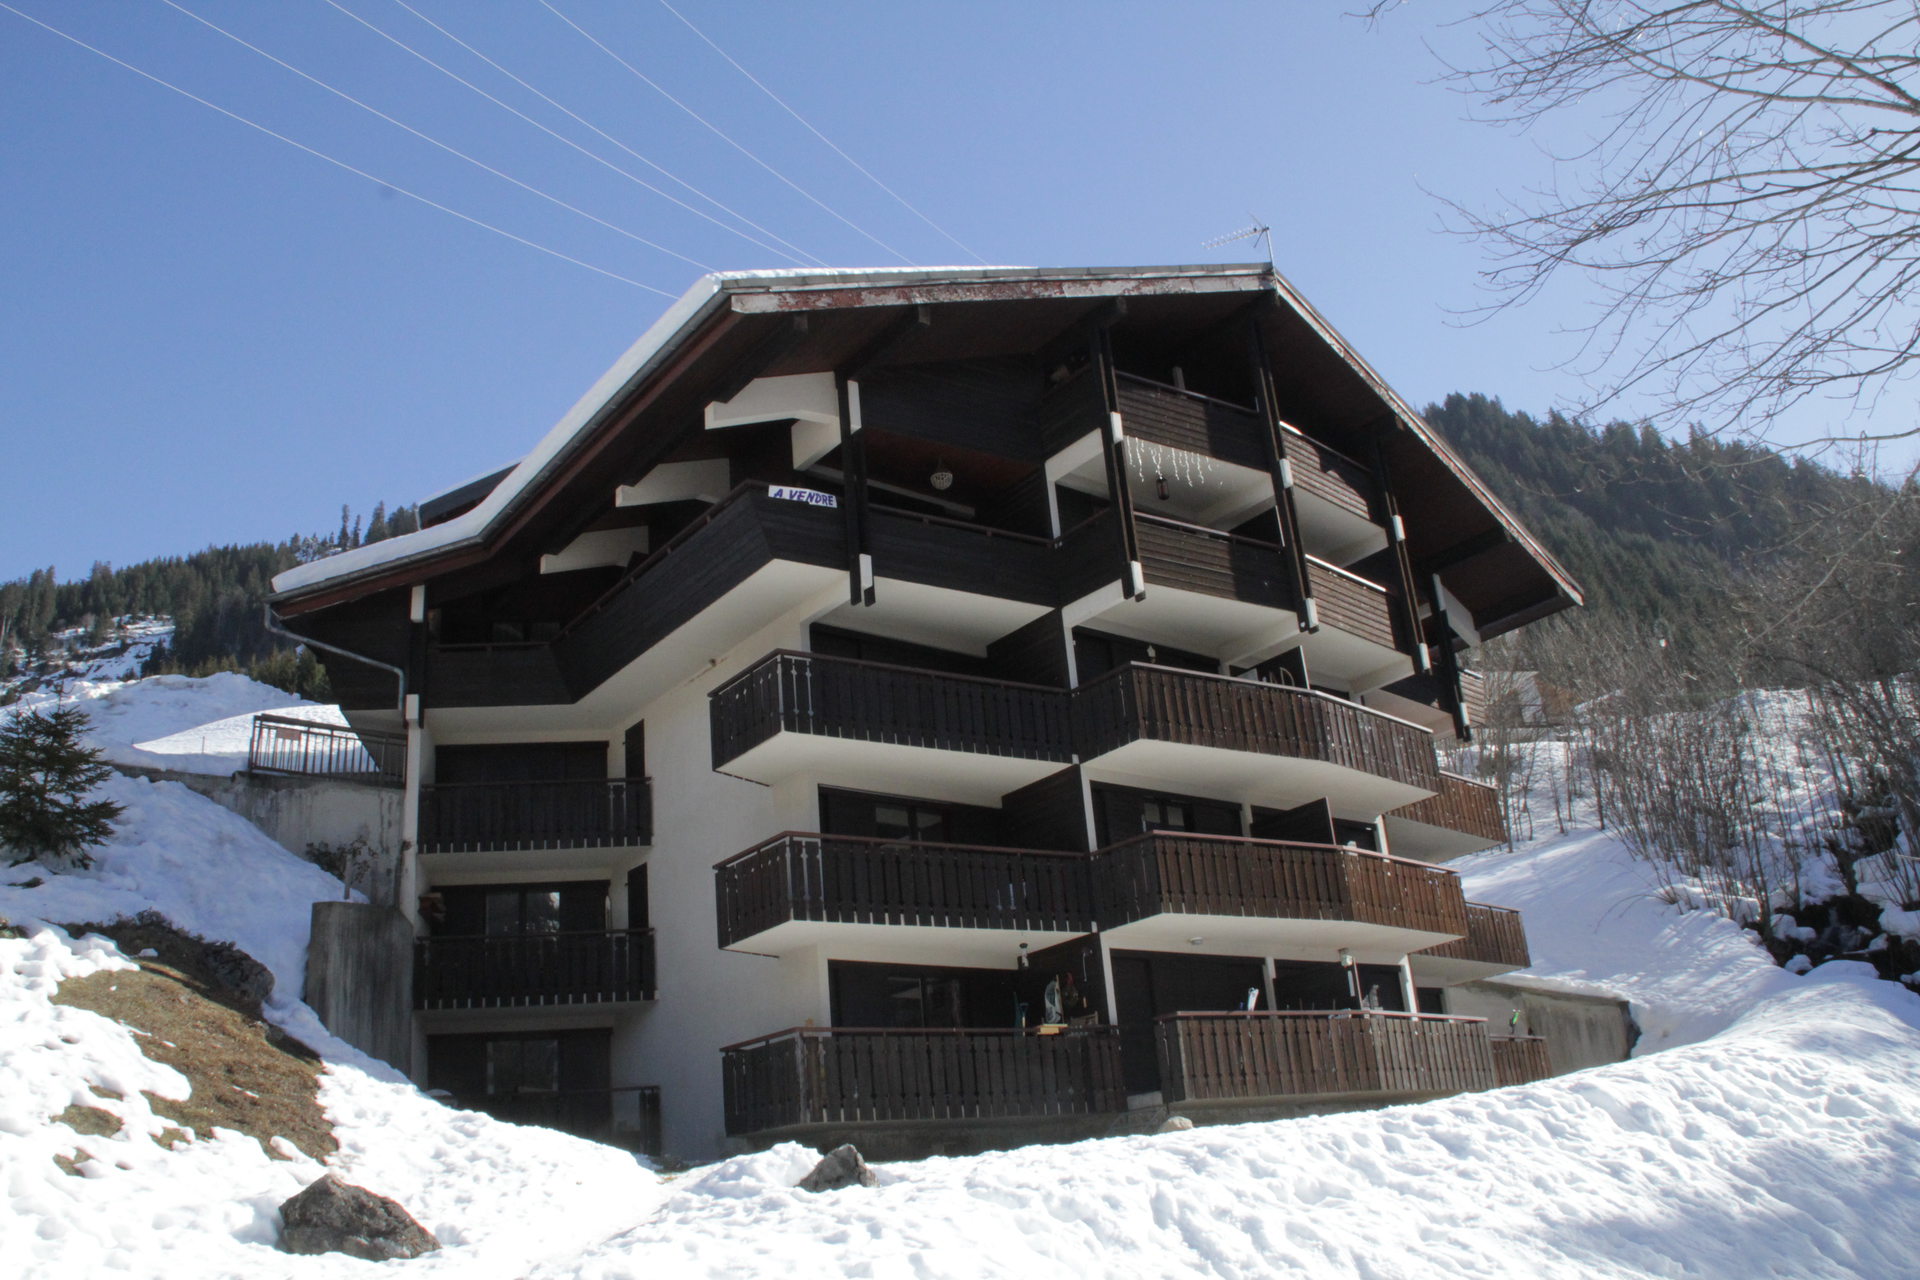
1766,1128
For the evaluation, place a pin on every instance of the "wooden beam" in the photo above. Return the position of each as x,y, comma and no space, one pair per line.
755,360
1403,562
1113,449
1274,436
853,497
1464,550
890,339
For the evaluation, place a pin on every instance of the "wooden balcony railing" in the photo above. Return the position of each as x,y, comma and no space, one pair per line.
1233,1056
1520,1059
628,1118
1174,872
856,880
1322,472
1460,804
1186,420
587,813
1494,935
1165,704
281,744
502,971
1350,603
877,702
1191,557
841,1075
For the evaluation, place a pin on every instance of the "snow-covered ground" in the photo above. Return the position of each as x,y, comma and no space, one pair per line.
1766,1127
184,723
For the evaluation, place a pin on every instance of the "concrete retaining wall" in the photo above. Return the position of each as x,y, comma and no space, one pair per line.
1581,1031
295,812
360,977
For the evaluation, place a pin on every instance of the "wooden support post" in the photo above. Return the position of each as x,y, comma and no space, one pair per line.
853,501
1113,446
1409,622
1292,547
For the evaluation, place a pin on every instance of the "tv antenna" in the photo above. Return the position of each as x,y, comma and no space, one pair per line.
1257,231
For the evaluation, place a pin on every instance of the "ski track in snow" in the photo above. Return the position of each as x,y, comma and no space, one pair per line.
1767,1126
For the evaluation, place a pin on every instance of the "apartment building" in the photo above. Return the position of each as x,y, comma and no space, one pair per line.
942,709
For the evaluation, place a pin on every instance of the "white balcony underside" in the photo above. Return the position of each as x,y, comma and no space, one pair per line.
972,948
1334,533
1225,629
1431,844
965,777
1274,782
1440,971
935,616
1432,719
1320,940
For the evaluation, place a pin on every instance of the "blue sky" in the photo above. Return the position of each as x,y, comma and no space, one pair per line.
211,336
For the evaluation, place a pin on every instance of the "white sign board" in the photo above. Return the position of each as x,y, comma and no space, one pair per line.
812,497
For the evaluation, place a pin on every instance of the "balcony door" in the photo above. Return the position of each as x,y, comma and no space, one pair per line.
522,910
1148,984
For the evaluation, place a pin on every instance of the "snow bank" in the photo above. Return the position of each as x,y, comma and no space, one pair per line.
499,1196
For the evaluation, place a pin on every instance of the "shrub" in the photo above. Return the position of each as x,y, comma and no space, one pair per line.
45,779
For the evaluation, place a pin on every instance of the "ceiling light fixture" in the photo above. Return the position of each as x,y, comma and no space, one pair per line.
941,479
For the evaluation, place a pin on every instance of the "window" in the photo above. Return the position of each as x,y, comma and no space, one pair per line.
523,1065
521,911
1157,814
904,821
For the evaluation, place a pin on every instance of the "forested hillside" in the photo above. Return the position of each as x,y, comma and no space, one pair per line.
213,596
1649,526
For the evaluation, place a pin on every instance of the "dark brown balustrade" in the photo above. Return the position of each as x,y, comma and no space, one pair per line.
1460,804
1331,476
856,880
838,1075
282,744
591,813
1219,1057
1174,872
1352,604
1164,704
1186,420
877,702
1493,935
1191,557
1520,1059
501,971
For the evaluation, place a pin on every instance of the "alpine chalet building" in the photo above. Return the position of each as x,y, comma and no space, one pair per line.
942,709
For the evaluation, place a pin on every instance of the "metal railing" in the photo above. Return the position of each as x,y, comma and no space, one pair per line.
282,744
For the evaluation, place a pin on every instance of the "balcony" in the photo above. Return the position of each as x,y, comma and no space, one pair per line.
1157,890
488,817
1221,593
1494,941
879,727
1336,498
811,1077
1462,816
1279,1057
305,748
802,889
628,1118
533,970
1169,729
1520,1059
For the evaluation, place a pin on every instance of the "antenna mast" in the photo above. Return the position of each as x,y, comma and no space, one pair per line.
1258,231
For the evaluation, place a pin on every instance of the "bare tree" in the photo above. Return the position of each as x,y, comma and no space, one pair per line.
1748,199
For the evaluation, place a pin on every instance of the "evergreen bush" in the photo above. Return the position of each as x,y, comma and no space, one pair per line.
45,779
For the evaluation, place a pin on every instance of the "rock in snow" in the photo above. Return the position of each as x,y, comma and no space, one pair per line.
840,1167
332,1216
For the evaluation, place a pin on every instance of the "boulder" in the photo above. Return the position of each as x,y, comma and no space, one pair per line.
332,1216
1174,1124
840,1167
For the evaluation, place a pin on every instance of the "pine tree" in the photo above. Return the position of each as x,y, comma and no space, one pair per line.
45,778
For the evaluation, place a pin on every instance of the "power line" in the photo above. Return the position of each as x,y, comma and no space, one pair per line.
341,164
723,136
631,177
450,150
816,133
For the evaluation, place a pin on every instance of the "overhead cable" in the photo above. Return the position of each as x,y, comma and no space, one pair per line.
450,150
782,102
630,177
321,155
723,135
